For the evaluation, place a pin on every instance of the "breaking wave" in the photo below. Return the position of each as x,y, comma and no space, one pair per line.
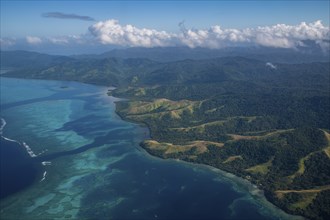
27,147
2,125
20,165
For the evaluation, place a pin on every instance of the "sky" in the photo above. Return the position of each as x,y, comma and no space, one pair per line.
91,26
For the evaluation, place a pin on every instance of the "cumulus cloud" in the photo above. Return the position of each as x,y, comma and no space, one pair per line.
280,35
61,15
111,32
287,36
33,40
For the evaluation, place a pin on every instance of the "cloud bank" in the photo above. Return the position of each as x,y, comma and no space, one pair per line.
112,34
61,15
279,36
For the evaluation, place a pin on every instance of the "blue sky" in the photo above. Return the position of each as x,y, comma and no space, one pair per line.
20,19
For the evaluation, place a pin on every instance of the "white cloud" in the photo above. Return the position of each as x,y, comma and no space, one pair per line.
69,40
287,36
33,40
111,32
280,35
58,40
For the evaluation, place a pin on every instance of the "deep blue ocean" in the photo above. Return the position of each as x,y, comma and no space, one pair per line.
65,154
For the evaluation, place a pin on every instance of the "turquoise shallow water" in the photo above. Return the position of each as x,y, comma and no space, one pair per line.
88,164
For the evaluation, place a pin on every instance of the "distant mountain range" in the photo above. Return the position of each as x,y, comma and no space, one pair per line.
310,52
116,71
27,59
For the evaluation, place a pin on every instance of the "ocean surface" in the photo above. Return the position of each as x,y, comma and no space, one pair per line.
65,154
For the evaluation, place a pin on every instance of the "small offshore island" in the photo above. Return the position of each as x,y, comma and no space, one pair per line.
266,123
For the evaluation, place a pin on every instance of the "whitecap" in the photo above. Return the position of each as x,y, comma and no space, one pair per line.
269,64
46,163
3,124
29,150
8,139
43,176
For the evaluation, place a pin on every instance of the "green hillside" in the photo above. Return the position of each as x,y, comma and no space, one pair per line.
268,126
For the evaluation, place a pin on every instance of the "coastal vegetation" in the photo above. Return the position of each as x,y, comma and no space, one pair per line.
268,125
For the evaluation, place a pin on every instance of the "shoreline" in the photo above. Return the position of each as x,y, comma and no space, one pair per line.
240,183
237,182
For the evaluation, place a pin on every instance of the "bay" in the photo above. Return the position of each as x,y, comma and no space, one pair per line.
81,161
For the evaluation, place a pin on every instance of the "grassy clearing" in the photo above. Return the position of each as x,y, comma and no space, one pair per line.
307,196
211,110
261,168
301,166
168,148
141,110
158,105
304,202
314,190
327,149
237,137
199,128
232,158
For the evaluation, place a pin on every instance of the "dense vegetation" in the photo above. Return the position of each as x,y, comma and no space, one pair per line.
266,123
310,52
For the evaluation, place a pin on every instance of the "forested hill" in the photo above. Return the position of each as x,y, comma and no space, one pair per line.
266,121
311,52
25,59
140,71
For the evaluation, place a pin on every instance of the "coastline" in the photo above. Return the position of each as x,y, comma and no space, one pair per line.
237,181
243,185
145,125
239,184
